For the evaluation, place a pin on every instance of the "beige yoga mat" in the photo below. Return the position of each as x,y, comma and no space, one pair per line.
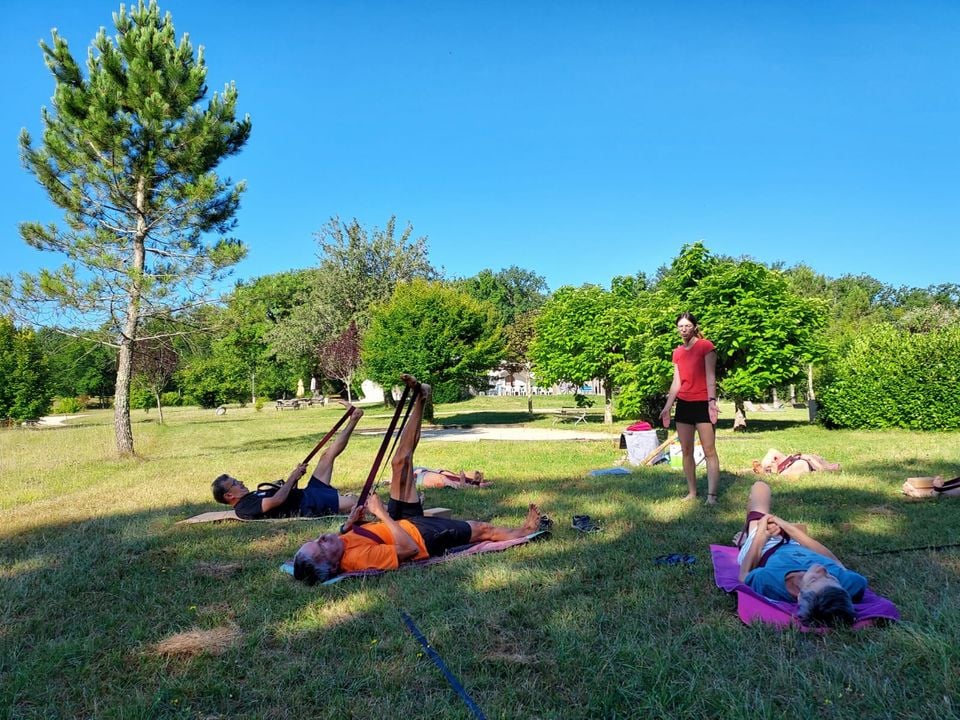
221,515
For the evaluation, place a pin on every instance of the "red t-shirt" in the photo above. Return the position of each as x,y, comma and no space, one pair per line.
693,370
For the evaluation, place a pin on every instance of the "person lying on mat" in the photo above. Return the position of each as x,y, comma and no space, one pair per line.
401,532
776,463
780,561
427,478
319,498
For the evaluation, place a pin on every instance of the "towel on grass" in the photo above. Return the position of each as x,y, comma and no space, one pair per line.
752,606
609,471
452,554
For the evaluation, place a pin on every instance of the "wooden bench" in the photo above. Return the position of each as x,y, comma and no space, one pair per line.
293,404
571,414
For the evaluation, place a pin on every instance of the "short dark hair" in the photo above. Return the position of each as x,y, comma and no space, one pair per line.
831,606
307,569
220,487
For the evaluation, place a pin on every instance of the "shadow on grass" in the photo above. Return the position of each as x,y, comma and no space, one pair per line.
591,614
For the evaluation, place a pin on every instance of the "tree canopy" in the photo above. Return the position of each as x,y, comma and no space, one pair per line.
435,332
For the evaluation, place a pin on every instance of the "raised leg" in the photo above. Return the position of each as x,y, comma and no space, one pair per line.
402,485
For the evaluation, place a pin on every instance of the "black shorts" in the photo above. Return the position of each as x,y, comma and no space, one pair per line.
319,499
692,412
439,534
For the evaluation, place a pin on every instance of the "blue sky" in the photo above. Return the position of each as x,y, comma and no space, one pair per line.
581,140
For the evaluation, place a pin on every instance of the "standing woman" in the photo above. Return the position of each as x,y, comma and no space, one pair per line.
694,388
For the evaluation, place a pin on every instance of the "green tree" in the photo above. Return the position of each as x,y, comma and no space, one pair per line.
78,367
765,333
438,334
359,268
24,392
129,154
513,290
581,334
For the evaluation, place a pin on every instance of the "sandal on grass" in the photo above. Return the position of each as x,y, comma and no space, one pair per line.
675,559
585,524
546,522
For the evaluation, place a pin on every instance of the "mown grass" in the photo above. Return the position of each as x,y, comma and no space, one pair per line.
95,574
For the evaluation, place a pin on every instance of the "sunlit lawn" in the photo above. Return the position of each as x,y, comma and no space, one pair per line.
94,574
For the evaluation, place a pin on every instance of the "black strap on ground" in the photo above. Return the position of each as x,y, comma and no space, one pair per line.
368,485
908,549
325,438
438,661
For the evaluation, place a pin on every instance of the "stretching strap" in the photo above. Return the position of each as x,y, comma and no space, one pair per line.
325,438
368,485
757,515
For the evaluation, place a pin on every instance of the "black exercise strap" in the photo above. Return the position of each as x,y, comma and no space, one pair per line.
757,515
325,438
368,485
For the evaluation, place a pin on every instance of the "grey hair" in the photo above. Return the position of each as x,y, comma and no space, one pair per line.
308,569
831,606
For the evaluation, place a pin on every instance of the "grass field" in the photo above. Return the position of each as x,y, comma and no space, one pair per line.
95,576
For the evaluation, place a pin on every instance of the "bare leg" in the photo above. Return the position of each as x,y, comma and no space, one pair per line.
686,434
480,531
708,441
758,501
324,469
402,485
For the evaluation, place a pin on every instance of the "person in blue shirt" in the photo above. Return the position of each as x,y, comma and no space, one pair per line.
781,561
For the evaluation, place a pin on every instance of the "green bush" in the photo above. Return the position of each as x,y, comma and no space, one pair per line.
894,378
170,399
67,406
258,405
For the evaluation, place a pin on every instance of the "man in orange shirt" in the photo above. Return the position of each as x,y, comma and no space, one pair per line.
402,532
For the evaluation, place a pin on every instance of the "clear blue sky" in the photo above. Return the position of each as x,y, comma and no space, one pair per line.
581,140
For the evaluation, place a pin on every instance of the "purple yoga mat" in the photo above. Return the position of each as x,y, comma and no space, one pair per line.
752,606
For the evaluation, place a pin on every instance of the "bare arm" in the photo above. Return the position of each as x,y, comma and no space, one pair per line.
671,397
710,366
406,546
798,534
280,497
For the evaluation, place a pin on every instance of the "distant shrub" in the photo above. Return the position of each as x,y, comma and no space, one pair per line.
448,392
67,406
170,399
258,405
894,378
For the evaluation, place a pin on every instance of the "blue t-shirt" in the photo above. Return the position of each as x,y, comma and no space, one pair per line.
770,580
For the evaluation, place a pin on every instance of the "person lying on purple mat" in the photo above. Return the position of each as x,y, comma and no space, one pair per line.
402,532
781,561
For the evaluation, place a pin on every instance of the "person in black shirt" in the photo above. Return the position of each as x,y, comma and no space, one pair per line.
317,499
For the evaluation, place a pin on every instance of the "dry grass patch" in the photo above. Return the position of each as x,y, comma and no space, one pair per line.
197,642
217,570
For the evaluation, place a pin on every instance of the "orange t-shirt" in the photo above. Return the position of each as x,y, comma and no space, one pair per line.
363,553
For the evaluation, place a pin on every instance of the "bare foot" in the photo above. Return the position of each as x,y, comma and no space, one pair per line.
351,408
938,481
533,518
426,392
689,496
711,499
409,380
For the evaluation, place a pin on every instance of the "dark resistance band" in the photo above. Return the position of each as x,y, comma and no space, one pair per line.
325,438
438,661
368,485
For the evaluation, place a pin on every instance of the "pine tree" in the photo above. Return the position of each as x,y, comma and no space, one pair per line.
129,154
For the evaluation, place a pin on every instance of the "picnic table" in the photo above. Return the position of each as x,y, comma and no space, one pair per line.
571,414
292,404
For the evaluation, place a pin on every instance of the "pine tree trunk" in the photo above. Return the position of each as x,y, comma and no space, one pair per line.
121,413
121,405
